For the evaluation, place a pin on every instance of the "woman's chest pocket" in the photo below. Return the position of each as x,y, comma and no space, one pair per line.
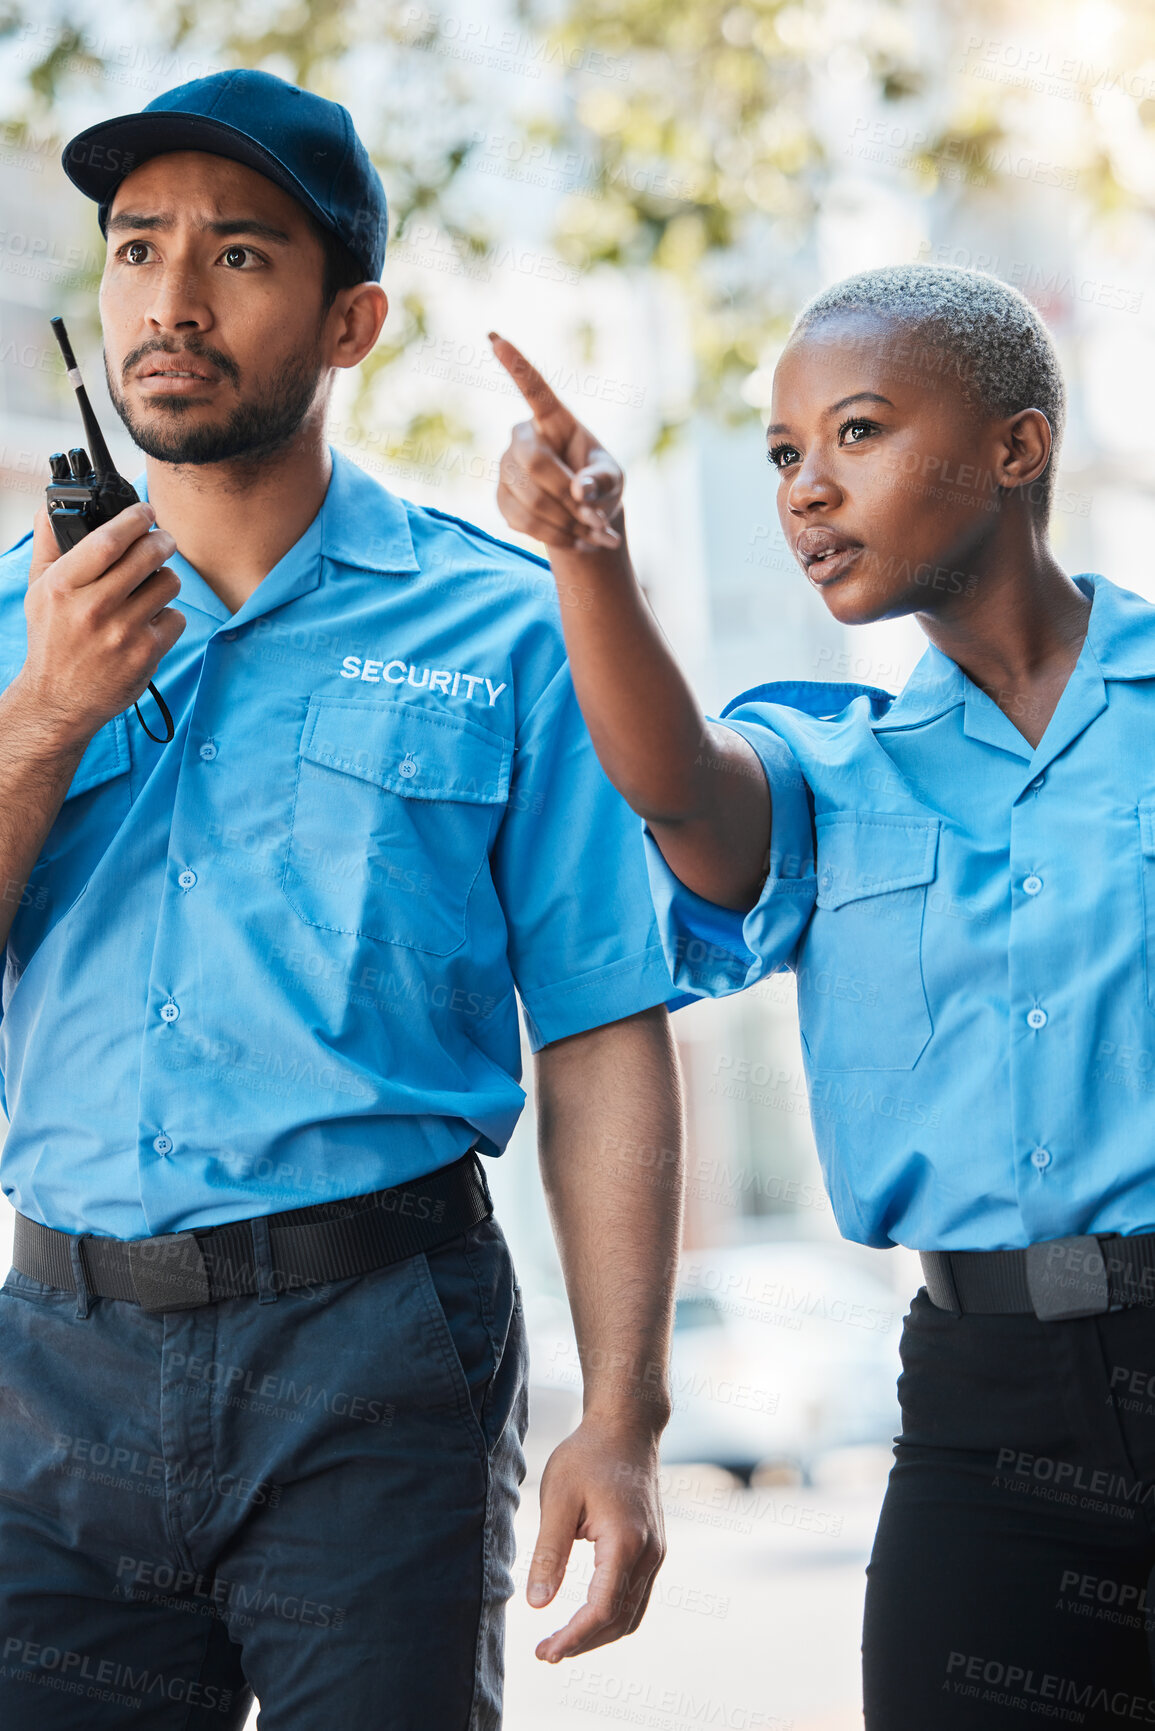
394,811
861,998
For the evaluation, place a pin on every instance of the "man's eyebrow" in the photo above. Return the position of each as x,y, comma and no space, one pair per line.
137,219
842,403
248,225
224,226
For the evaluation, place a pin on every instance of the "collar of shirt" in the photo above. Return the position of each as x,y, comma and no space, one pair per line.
1120,644
359,525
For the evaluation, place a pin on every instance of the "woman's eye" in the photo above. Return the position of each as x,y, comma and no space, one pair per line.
136,252
781,455
849,427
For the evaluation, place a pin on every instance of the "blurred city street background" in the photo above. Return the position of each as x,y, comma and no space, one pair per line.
641,193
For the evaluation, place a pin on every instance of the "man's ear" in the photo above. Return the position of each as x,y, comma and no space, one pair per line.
1025,448
355,321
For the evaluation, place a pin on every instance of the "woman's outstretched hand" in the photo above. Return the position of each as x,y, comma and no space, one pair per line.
556,482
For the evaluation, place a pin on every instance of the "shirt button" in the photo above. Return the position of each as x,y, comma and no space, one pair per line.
1032,885
1036,1018
408,766
208,752
162,1143
229,636
169,1012
1041,1158
1038,782
187,879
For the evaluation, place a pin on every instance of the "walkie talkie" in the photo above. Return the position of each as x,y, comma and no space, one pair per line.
82,495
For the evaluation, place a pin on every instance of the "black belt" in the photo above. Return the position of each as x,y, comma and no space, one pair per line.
1056,1280
305,1246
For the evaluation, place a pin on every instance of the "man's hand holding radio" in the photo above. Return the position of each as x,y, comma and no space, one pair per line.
99,622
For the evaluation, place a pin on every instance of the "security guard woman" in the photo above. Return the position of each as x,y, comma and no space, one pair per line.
974,862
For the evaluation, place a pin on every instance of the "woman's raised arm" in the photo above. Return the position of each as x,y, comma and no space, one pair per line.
699,786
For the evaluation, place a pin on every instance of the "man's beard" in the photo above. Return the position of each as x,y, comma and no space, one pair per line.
253,430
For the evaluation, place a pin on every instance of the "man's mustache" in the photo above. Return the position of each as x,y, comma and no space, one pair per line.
203,351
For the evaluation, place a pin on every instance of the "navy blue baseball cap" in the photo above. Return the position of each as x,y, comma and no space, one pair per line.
301,142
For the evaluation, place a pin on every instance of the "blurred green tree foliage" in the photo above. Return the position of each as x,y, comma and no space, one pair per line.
700,129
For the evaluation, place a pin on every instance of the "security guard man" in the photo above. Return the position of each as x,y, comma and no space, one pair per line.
262,1356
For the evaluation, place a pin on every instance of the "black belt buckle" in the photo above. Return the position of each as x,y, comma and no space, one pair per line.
1066,1278
168,1272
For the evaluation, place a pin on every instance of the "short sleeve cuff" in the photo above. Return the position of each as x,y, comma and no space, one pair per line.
608,994
713,951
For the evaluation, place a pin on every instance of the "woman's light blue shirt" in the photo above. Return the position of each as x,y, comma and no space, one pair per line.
972,927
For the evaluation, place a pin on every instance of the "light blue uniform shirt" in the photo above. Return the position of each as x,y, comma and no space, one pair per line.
972,926
274,962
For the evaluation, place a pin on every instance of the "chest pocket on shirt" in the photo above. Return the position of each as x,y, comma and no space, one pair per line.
394,811
861,999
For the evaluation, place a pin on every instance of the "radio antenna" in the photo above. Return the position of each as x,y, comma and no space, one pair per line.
101,459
